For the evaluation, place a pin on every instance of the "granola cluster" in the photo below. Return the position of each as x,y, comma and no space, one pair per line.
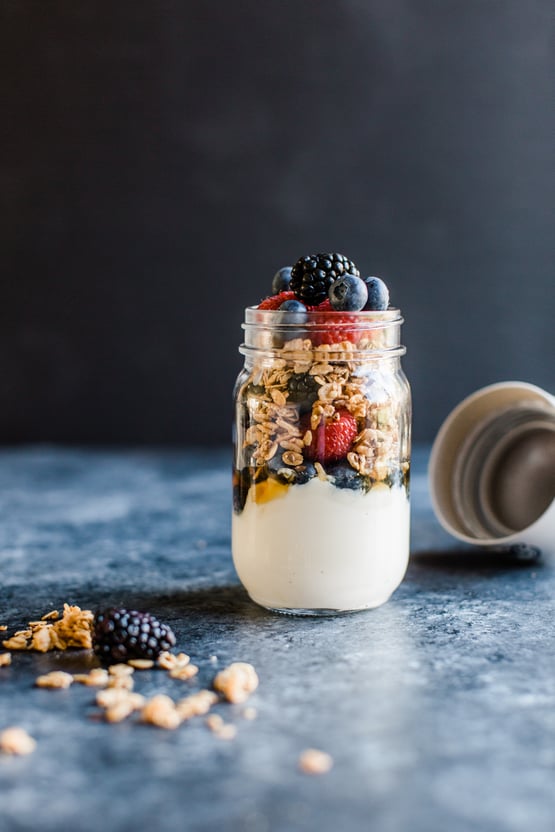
73,629
284,404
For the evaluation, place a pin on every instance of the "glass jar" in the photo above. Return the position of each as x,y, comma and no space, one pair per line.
322,458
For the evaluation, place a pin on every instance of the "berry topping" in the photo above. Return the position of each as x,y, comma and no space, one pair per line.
281,281
378,294
312,276
293,306
292,312
332,439
325,306
275,301
121,634
348,293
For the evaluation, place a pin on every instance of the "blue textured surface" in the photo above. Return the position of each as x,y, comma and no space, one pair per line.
438,708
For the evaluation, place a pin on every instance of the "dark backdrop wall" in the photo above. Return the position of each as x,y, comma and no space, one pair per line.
161,159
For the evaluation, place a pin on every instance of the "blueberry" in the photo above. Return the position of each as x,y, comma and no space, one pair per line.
281,281
378,294
292,312
348,293
287,475
293,306
346,477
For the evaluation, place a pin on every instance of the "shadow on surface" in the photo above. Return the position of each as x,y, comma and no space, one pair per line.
210,601
477,560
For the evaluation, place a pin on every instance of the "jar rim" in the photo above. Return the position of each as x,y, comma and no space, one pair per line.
316,317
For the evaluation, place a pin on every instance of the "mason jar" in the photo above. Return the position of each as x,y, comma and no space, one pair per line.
321,461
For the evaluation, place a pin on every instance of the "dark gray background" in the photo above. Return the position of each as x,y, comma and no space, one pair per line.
161,159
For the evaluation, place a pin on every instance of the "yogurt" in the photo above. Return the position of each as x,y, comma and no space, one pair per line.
319,548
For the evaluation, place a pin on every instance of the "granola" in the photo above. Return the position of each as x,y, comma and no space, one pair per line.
97,677
314,761
237,682
197,704
73,629
17,741
161,711
286,405
54,679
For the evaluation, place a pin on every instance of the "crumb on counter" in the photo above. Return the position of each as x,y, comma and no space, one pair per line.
97,677
314,761
236,682
141,664
55,679
15,740
161,711
197,704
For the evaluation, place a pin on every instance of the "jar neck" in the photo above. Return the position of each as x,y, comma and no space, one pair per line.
352,336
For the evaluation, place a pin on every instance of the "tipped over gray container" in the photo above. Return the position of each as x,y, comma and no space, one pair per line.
492,468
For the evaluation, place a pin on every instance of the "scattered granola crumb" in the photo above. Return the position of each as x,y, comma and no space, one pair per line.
197,704
237,682
141,664
250,713
313,761
227,732
184,673
119,712
3,627
110,697
5,659
121,680
169,661
118,704
214,722
97,677
213,660
120,670
161,711
223,730
55,679
16,740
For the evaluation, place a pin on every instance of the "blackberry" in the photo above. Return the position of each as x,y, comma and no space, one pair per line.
312,276
302,389
120,635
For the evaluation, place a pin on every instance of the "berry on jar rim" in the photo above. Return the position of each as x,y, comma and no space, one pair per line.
312,275
281,280
275,301
348,293
378,294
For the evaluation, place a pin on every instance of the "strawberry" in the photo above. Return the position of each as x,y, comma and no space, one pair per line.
325,306
275,301
332,439
332,329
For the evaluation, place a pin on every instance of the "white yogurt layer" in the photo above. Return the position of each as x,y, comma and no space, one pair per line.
316,546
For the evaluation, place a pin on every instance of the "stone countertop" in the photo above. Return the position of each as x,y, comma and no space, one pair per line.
438,708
